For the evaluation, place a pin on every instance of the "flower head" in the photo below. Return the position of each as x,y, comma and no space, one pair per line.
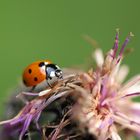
105,104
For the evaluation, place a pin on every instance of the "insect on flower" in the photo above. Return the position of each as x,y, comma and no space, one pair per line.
41,72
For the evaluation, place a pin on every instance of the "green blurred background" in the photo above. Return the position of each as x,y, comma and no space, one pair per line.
31,30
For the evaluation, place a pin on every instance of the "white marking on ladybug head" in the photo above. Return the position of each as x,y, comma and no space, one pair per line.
52,74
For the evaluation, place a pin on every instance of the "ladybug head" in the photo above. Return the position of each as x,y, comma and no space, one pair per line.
53,72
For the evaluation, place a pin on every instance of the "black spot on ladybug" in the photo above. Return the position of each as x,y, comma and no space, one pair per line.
30,71
41,64
35,79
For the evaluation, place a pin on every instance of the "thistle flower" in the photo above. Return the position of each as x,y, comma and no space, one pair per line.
94,103
105,104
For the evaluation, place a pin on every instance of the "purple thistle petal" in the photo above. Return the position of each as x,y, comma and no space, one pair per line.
36,109
115,47
103,89
13,126
111,121
25,126
107,122
132,94
125,43
126,118
36,121
18,120
26,109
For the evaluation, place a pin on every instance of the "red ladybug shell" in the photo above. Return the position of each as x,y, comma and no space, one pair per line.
34,73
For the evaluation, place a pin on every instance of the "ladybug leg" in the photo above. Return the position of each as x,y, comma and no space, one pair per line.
49,84
33,88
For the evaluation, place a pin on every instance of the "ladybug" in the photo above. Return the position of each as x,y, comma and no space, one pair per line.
41,71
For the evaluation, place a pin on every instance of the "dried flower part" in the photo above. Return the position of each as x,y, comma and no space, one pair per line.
84,105
32,110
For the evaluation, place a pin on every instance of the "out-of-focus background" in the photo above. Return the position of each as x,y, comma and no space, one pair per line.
31,30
